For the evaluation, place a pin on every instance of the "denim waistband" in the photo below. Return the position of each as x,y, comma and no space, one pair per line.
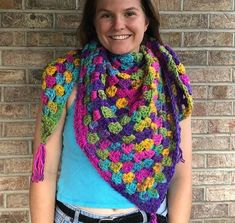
79,213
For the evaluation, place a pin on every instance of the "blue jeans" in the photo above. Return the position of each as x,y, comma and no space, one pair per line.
61,217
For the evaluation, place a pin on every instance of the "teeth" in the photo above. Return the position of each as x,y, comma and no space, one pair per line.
120,37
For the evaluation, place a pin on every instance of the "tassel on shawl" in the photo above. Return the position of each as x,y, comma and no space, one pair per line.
38,164
153,218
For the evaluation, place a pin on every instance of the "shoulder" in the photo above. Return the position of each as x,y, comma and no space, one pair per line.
58,80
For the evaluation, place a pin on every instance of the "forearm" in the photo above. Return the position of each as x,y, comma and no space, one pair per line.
180,201
42,200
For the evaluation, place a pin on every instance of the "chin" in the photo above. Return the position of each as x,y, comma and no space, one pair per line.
119,51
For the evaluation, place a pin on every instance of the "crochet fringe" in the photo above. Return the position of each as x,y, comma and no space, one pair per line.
153,218
38,164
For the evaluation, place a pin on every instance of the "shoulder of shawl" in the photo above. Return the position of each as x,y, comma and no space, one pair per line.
181,86
58,80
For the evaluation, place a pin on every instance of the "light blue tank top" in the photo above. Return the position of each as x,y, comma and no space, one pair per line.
79,183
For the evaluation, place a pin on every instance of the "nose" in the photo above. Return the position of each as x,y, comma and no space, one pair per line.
118,23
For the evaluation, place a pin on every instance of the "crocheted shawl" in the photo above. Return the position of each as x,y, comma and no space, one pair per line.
127,115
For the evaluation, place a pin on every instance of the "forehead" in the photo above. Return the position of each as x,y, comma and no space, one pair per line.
117,4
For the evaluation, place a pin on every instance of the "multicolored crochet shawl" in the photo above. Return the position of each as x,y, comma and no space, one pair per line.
127,115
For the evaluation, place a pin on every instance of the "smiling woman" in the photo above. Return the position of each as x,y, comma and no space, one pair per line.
120,27
116,113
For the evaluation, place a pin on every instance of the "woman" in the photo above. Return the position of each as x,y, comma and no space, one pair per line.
117,115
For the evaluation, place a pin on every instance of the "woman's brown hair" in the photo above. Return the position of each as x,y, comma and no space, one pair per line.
87,32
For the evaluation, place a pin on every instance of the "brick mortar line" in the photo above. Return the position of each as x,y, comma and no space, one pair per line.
213,84
217,170
20,85
13,210
188,30
232,12
15,175
162,30
57,49
214,152
19,157
79,11
44,11
15,138
212,118
15,29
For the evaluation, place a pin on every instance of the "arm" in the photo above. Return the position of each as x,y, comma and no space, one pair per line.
42,194
180,191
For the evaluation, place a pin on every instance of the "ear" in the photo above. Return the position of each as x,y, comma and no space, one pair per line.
146,23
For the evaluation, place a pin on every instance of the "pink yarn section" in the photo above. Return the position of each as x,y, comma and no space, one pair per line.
153,218
38,164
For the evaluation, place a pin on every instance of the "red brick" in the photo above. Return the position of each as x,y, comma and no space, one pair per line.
220,220
26,58
14,217
13,111
184,21
12,38
222,92
8,148
212,5
11,4
209,210
19,129
208,39
26,20
222,21
35,76
18,165
222,126
1,201
221,160
12,76
193,58
198,194
17,200
200,92
211,177
199,126
34,110
172,39
14,183
57,39
232,209
22,94
2,166
210,74
212,108
233,143
169,5
198,161
220,193
52,4
68,20
211,143
221,57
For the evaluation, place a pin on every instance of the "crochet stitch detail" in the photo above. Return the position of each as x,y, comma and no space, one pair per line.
139,117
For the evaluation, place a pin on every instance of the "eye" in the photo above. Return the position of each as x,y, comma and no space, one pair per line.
130,13
105,16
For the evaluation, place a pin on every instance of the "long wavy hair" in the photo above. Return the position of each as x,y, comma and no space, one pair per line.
86,30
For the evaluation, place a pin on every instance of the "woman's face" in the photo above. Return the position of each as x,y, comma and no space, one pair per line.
120,25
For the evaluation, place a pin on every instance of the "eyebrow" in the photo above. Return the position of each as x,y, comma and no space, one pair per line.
127,9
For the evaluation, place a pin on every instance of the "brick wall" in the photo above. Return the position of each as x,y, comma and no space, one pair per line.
33,32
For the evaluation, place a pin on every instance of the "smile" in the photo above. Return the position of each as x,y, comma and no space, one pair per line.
120,37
